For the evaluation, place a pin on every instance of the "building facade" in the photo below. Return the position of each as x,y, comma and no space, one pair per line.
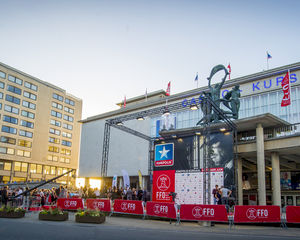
40,133
268,153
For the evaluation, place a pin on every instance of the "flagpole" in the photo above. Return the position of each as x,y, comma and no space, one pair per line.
290,89
267,62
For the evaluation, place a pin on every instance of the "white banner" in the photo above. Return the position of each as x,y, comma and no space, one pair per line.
126,179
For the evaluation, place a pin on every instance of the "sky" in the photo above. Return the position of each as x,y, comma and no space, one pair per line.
101,51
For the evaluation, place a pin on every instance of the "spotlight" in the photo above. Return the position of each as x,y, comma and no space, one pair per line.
222,129
194,107
198,133
140,118
119,124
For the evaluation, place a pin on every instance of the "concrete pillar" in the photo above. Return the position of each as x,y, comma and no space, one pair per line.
240,181
276,198
261,178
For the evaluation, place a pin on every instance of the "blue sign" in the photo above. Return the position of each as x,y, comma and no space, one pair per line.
164,155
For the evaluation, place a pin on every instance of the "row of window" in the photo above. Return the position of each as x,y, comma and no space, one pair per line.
55,159
62,151
18,91
59,115
61,99
14,120
33,168
11,151
19,81
16,100
16,111
57,141
60,107
13,130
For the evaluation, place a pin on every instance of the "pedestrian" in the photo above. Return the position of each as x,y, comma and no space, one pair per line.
225,194
4,196
215,195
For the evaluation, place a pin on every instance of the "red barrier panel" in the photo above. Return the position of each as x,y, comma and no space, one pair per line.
99,204
257,214
128,206
292,214
70,203
193,212
159,209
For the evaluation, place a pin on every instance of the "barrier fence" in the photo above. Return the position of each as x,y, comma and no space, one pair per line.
186,212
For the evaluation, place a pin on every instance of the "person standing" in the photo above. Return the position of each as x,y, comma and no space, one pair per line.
225,194
4,196
215,194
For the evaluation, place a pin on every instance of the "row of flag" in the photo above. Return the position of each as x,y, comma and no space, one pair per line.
285,85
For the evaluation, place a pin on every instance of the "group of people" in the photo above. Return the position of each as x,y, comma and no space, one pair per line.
221,195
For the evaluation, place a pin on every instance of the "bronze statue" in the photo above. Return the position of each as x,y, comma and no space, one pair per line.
233,97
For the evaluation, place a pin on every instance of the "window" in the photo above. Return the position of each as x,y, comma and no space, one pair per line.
32,168
10,119
6,150
54,140
0,106
15,80
17,167
57,105
8,140
46,169
8,129
53,149
25,133
52,158
5,166
67,126
29,95
28,104
2,84
68,118
12,99
23,153
65,160
59,171
11,109
1,95
56,114
54,131
58,97
52,170
65,151
67,135
2,74
55,122
27,114
66,143
27,124
30,86
24,143
14,89
69,110
69,101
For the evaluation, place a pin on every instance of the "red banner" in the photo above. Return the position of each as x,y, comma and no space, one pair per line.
163,184
70,203
214,213
293,214
286,100
128,206
99,204
245,214
160,209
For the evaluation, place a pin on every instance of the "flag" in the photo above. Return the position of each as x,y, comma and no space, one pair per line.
140,179
146,94
124,105
114,181
168,92
196,78
285,84
268,55
126,180
229,70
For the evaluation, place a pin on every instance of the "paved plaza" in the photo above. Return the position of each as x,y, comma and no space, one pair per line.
134,228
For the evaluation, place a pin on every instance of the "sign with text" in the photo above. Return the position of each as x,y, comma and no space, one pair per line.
129,206
262,214
70,203
163,185
164,155
99,204
161,209
293,214
193,212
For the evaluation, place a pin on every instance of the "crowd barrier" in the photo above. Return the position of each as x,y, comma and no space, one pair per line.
187,212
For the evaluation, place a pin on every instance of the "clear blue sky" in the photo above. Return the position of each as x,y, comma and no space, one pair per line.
102,50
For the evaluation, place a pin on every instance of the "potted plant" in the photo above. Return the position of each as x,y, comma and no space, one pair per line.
53,214
89,216
12,212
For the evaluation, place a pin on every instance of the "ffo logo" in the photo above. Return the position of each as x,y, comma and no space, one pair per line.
257,213
70,203
160,209
98,205
199,212
163,182
128,206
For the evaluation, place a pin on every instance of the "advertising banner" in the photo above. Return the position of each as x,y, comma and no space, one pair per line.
99,204
193,212
164,155
163,185
256,214
161,209
293,214
129,206
70,203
